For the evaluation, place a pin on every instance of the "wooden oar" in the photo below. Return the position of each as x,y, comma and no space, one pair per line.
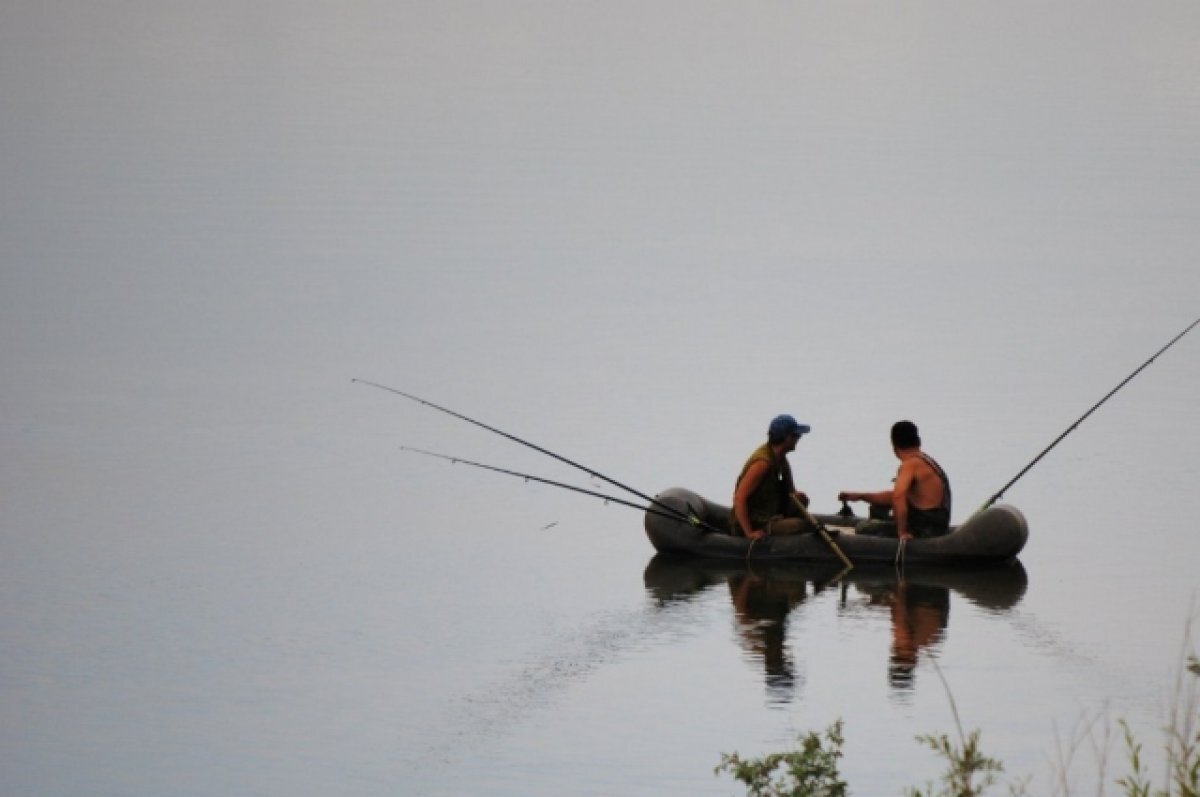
824,532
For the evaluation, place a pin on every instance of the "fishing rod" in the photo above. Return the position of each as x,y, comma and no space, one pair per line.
673,512
824,532
1083,417
530,478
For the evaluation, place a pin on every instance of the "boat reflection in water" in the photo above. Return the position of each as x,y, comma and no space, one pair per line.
917,601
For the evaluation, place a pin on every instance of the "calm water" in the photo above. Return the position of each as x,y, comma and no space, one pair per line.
630,233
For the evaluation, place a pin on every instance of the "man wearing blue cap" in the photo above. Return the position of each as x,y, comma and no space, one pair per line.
762,497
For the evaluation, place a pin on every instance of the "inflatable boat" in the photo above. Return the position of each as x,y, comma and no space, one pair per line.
684,523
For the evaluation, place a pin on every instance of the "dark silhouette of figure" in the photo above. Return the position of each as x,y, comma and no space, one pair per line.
761,606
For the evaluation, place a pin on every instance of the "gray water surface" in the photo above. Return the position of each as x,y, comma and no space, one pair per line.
631,233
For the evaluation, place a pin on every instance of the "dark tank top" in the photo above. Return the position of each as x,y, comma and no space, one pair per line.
936,521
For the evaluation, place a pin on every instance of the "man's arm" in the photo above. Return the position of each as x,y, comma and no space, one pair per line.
904,482
741,497
881,498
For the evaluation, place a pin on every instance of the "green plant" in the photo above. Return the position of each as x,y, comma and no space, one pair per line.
1182,744
809,771
1137,782
969,772
1183,737
812,769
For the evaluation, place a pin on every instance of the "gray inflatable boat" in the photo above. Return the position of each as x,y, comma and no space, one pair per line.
997,534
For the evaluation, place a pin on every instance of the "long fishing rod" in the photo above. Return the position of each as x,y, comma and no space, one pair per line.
530,478
675,513
1083,417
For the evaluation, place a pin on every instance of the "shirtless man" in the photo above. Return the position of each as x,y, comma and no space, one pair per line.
920,496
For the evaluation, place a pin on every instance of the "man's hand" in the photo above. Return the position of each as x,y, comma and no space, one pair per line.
756,534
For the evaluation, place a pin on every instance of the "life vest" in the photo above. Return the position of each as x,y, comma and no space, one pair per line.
771,497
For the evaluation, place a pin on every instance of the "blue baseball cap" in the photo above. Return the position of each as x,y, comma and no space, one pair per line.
784,425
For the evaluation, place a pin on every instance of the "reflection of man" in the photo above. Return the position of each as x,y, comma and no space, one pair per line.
761,605
919,617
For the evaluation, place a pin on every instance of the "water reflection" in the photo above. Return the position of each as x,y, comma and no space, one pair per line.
916,601
761,604
919,615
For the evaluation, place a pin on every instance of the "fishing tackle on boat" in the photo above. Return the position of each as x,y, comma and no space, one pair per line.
822,530
531,478
669,510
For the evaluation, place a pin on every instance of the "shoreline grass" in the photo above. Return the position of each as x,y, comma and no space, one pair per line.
812,768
